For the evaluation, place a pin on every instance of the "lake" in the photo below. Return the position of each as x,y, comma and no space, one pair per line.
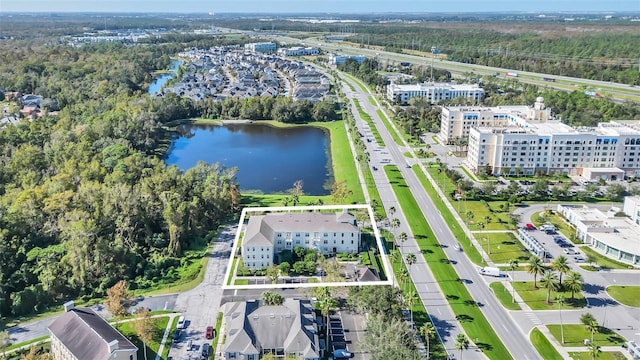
269,159
159,82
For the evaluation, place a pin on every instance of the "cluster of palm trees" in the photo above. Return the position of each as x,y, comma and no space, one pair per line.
551,277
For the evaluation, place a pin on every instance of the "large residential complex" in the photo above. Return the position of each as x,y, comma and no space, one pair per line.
267,235
433,92
253,329
615,237
529,140
298,51
81,334
263,47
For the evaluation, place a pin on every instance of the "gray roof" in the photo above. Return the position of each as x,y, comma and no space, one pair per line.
290,326
87,335
261,229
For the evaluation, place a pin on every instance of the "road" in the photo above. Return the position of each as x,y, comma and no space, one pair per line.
617,91
513,337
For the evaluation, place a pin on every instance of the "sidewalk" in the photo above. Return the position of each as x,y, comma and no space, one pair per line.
564,350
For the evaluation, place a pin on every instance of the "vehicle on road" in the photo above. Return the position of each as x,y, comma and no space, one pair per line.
205,350
210,333
490,271
181,323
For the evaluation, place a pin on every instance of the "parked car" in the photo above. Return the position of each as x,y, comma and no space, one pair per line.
205,350
177,334
530,227
210,333
189,345
578,259
570,251
181,323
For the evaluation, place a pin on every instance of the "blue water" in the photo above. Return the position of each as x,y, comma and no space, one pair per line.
157,84
269,159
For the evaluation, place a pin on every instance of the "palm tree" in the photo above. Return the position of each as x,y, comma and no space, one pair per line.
594,350
470,216
573,283
326,304
411,259
590,323
561,300
402,237
411,297
462,343
392,210
428,331
513,265
549,282
403,276
561,265
395,223
535,268
593,328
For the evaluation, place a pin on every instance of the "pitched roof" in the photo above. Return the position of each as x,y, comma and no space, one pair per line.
87,335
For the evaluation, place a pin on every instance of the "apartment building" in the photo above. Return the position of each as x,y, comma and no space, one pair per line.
263,47
525,140
433,92
298,51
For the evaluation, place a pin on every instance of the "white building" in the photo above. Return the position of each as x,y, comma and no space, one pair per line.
299,51
340,59
433,92
264,47
267,235
614,237
520,139
632,208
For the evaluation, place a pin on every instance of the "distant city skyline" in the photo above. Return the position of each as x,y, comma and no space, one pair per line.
318,6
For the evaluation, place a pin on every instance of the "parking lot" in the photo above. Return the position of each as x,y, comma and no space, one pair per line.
556,244
353,332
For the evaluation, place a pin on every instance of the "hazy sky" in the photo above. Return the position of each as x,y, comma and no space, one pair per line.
344,6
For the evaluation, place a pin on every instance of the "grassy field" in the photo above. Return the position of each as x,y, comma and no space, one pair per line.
503,246
536,298
504,296
389,127
544,347
463,305
187,277
372,101
603,261
574,335
627,295
128,330
471,251
605,355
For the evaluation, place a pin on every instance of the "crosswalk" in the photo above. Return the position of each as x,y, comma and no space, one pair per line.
533,318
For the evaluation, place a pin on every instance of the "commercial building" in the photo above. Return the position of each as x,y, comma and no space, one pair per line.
268,235
614,237
529,140
632,208
298,51
81,334
433,92
263,47
340,59
253,329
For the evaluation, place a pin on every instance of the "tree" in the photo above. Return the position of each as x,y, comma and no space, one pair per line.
389,338
273,273
428,331
326,303
402,237
462,343
117,296
296,192
5,342
560,299
535,267
35,354
590,323
411,298
561,265
573,283
513,265
392,211
395,224
145,327
591,259
411,259
340,192
272,298
550,283
403,277
594,350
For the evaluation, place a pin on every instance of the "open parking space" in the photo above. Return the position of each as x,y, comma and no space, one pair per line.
353,327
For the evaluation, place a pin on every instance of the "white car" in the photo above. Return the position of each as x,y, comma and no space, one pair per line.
578,259
570,252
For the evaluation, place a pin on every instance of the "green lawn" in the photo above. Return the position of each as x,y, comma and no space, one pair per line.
605,355
543,345
128,330
463,305
372,101
504,296
472,252
503,247
214,342
536,298
574,335
387,124
187,277
627,295
372,126
603,261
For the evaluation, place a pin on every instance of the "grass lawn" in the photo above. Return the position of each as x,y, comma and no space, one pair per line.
372,101
372,126
603,261
420,316
463,305
128,330
543,345
503,246
536,298
627,295
605,355
241,282
471,251
214,342
574,335
504,296
387,124
186,278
